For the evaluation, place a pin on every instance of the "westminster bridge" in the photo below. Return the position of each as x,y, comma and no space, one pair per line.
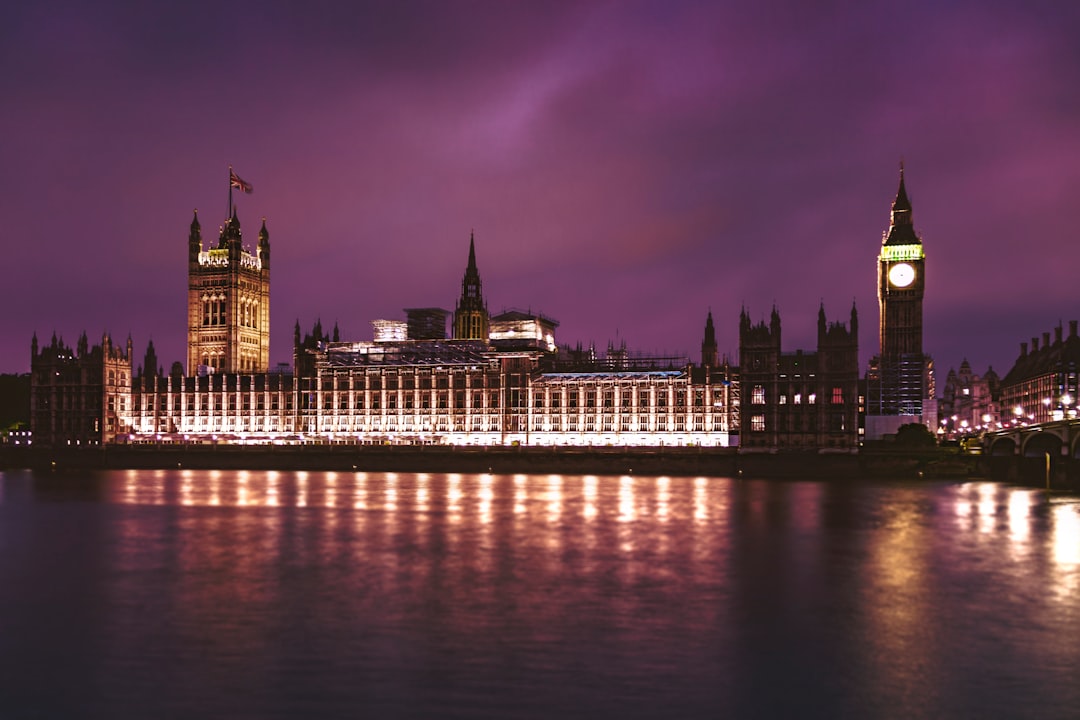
1046,451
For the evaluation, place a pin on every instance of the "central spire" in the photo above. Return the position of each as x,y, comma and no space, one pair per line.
901,230
471,314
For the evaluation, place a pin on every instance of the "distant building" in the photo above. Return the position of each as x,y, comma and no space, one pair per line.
1042,384
969,402
425,323
390,330
799,400
517,330
79,397
900,379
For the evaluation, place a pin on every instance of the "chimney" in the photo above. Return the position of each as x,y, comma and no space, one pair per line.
1072,328
1034,344
1023,349
1057,334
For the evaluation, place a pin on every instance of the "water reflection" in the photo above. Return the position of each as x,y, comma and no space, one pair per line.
1066,553
686,592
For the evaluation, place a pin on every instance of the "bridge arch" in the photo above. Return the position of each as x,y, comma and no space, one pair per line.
1042,443
1002,447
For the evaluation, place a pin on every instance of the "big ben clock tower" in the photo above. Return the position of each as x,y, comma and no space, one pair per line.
901,281
900,383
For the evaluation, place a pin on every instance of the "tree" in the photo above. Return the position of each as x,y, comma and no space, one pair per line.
915,435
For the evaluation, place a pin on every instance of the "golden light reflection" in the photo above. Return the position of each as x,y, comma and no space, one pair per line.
627,511
242,488
360,501
701,504
895,585
1019,518
987,507
963,513
185,488
1066,551
131,488
453,497
391,492
589,494
272,488
486,495
555,498
331,489
360,491
422,496
301,488
663,497
1067,535
521,494
215,487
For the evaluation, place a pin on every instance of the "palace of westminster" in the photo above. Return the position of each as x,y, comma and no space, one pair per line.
502,379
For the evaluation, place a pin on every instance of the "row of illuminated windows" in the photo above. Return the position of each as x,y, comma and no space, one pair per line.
757,397
493,423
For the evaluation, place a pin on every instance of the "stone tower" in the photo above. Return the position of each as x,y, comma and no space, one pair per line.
900,383
228,302
708,344
471,313
901,282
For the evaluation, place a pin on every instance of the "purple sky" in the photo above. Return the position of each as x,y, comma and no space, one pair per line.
626,166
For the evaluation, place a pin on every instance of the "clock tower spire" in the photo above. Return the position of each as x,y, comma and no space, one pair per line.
901,281
900,381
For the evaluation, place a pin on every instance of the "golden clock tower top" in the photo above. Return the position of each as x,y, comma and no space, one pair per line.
901,281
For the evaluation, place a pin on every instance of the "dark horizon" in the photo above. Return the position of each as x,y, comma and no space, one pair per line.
626,167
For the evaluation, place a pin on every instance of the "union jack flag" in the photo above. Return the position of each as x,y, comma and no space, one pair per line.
236,182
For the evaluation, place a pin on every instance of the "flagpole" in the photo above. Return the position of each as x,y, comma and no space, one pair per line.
230,193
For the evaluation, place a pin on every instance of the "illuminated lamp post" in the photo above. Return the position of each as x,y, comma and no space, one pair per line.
1046,405
1018,414
1066,411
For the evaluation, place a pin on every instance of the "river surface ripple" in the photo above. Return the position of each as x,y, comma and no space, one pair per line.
185,594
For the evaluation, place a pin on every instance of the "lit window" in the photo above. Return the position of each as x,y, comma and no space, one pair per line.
783,399
812,398
757,423
759,395
797,399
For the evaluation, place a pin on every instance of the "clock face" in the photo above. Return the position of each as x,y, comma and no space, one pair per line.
901,275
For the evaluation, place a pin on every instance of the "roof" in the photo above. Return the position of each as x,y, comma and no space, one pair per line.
625,375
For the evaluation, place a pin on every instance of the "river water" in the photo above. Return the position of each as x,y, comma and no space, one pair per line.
188,594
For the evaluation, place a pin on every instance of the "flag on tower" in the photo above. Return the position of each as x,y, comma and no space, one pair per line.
236,182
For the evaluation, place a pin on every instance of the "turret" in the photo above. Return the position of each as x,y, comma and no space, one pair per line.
708,345
194,239
264,245
150,361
